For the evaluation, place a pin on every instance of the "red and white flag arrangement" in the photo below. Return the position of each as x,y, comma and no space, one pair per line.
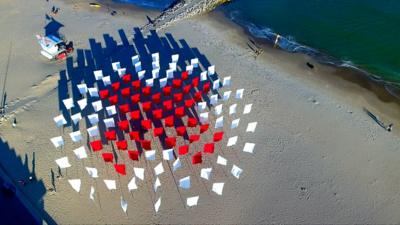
162,116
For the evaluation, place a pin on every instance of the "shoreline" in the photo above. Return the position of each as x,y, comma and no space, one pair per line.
343,79
336,75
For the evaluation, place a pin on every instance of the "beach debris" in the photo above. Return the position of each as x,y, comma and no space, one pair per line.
14,124
25,182
95,5
160,121
310,65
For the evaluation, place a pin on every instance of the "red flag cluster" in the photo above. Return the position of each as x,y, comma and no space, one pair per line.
168,105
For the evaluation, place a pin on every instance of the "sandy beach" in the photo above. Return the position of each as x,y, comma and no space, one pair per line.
319,158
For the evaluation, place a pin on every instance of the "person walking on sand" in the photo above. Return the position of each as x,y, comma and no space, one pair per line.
389,127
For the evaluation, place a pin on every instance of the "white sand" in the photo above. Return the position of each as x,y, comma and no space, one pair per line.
313,163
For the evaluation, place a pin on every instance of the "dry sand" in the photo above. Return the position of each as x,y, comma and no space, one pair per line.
318,157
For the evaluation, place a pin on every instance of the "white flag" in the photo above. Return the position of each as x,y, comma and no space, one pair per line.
185,182
251,127
57,141
249,147
63,162
80,153
76,184
236,171
139,172
60,120
232,141
111,185
92,172
132,184
69,103
159,169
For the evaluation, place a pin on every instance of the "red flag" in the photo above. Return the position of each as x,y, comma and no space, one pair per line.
111,135
192,122
115,86
180,111
185,75
104,93
198,97
209,148
146,106
170,142
167,90
180,131
113,99
194,137
122,145
197,158
204,128
156,98
96,145
124,108
218,136
146,124
134,135
136,85
176,83
206,87
178,97
134,155
168,105
108,157
169,121
146,91
158,131
146,144
120,168
183,150
189,103
126,92
186,89
135,98
135,115
123,125
126,78
195,81
158,114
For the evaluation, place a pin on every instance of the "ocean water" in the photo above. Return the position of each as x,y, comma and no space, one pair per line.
354,33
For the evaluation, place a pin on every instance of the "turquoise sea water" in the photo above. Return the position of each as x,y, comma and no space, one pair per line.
362,33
